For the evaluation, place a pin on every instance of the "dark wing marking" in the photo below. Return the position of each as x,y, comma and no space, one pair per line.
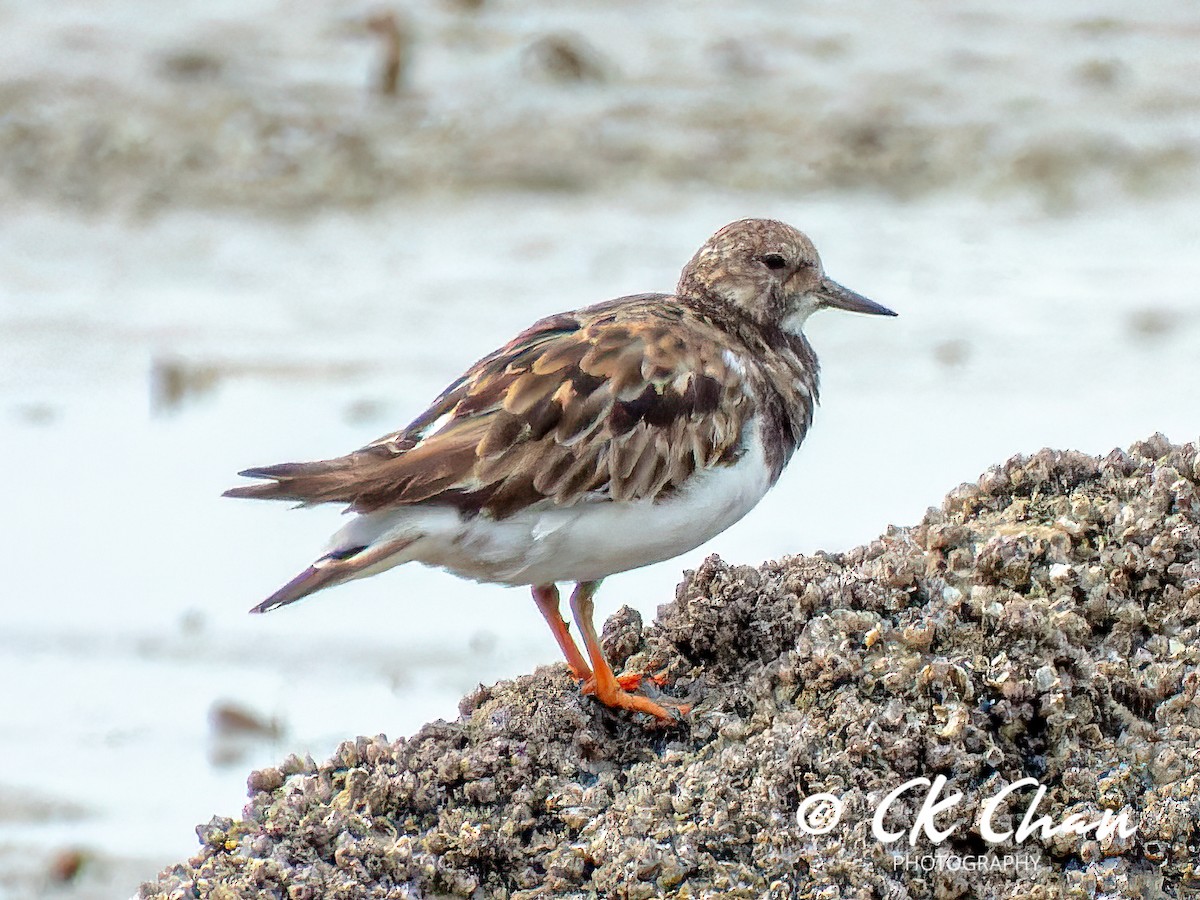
618,402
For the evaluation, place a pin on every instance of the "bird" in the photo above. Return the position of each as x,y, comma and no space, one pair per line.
596,441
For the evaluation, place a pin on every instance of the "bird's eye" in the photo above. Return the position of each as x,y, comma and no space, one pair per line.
774,261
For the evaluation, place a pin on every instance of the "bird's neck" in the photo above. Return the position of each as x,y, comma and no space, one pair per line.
793,378
788,385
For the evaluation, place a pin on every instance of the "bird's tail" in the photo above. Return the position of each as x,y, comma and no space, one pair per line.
326,481
337,567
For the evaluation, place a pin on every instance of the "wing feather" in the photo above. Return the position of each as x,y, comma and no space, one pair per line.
613,405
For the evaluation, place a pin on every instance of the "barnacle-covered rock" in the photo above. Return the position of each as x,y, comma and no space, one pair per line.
1041,624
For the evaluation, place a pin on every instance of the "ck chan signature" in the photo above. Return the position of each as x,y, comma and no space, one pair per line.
820,813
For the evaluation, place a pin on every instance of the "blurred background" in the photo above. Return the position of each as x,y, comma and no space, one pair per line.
237,233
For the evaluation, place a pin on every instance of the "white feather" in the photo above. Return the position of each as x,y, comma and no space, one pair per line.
733,361
435,426
794,323
584,542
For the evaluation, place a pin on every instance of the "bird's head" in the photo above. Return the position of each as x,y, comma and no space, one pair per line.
772,272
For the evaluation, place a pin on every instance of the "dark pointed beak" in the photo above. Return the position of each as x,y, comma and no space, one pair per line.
834,295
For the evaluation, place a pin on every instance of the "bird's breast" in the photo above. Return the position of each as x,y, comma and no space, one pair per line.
786,395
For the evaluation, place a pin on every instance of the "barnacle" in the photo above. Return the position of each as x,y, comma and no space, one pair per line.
1045,620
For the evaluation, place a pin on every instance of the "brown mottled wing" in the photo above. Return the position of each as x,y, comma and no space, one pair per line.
619,402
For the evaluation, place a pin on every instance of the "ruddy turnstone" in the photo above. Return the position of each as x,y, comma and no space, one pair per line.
594,442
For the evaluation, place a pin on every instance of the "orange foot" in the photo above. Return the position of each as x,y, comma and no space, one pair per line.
631,681
619,696
603,684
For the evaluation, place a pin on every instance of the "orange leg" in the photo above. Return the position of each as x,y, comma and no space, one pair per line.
546,597
603,684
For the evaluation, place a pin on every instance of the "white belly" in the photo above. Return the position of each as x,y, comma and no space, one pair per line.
578,543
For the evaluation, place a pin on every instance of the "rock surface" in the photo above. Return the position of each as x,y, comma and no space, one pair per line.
1043,623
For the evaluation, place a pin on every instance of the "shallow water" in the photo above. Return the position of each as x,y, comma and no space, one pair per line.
144,360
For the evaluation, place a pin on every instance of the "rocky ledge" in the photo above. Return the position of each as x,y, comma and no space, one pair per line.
1041,625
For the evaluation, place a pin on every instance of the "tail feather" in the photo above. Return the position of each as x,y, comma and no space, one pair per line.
310,482
334,568
307,582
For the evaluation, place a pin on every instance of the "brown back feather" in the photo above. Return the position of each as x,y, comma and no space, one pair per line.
623,401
